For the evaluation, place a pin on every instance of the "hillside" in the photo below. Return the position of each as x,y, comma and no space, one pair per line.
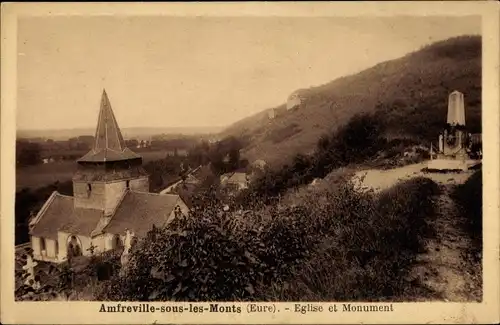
409,95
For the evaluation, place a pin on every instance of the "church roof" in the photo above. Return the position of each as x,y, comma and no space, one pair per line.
109,144
139,211
59,214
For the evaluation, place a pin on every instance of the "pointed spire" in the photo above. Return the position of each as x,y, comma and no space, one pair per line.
109,144
108,134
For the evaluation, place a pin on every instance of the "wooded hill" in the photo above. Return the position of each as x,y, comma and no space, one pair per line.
409,95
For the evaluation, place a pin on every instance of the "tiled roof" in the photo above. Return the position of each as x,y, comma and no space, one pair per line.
109,144
138,212
82,221
236,177
59,214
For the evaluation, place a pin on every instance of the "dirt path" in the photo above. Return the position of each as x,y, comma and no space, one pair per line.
445,268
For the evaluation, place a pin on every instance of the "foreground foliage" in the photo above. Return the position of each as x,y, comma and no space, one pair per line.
338,244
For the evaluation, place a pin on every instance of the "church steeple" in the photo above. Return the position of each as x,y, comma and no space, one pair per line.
109,169
108,134
109,144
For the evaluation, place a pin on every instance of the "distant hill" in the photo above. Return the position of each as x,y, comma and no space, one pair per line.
134,132
409,94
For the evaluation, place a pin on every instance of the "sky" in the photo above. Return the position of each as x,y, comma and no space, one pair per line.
198,71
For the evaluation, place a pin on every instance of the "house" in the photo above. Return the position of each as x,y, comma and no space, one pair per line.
110,198
275,112
235,181
296,99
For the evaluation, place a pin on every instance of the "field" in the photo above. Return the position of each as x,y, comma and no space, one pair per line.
44,174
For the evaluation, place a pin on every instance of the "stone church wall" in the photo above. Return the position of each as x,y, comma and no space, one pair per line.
114,192
105,196
102,243
51,248
35,245
93,199
140,184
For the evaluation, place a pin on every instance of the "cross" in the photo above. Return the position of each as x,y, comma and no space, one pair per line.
30,264
92,248
128,241
30,269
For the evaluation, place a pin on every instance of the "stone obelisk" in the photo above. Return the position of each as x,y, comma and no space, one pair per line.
454,140
456,109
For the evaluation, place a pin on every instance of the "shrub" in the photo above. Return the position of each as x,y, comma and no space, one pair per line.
212,255
355,142
368,244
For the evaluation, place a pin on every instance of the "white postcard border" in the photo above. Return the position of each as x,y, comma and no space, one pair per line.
88,312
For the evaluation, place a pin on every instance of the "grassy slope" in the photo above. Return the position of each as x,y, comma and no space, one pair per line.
410,94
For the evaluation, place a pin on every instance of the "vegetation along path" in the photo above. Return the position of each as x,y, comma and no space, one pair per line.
446,267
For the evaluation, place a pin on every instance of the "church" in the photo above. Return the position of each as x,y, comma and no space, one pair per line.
110,199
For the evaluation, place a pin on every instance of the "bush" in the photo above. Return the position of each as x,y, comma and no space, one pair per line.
368,246
357,141
290,253
212,255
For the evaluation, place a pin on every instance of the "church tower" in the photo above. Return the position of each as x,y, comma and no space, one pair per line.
109,169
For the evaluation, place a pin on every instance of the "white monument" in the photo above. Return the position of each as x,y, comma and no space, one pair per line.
453,141
456,109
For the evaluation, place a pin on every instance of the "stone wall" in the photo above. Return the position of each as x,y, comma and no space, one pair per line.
92,197
105,196
51,249
140,184
114,192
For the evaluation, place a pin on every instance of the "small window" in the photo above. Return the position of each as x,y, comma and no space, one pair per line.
89,187
128,184
42,245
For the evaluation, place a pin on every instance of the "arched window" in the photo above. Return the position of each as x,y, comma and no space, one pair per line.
74,247
128,184
117,242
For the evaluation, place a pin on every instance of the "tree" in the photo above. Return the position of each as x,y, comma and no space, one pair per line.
29,153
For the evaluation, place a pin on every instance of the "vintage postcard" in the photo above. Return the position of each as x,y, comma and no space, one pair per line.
237,163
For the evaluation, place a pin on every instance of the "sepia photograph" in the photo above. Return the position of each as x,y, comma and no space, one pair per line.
222,159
